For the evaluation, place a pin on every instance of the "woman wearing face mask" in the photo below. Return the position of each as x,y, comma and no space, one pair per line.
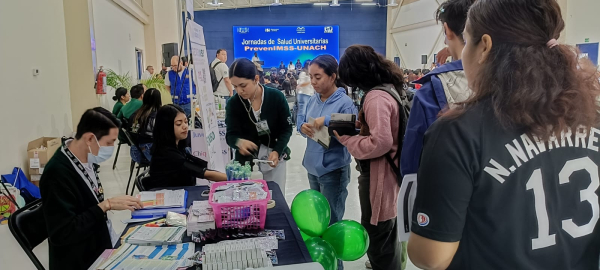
171,166
121,97
72,196
328,168
259,124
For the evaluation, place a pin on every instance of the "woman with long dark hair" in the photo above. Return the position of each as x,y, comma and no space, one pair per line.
142,124
259,123
379,119
171,165
509,178
328,168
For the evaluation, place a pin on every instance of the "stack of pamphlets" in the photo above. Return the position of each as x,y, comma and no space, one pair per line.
155,236
163,198
130,257
158,203
200,217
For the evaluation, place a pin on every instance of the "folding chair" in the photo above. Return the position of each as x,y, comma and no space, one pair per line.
124,123
28,226
139,180
144,163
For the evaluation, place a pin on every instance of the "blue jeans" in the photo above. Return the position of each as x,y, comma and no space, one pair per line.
187,109
137,156
334,186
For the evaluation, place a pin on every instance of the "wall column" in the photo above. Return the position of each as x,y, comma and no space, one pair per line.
81,58
162,28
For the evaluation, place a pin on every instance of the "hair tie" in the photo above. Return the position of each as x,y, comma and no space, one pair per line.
552,43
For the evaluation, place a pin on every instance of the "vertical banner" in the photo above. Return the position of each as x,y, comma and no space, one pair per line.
189,6
200,150
590,51
205,98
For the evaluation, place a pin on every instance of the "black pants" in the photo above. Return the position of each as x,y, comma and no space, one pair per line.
384,250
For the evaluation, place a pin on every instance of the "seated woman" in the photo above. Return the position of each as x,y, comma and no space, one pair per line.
73,199
121,97
142,124
171,166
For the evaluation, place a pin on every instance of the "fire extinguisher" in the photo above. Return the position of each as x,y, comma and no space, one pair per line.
100,82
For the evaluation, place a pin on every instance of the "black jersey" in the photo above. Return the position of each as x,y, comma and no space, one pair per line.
512,200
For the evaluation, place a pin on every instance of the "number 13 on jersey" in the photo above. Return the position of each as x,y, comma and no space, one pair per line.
535,183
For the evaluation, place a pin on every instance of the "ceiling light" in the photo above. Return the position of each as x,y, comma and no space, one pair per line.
392,3
334,3
214,3
321,4
276,3
369,4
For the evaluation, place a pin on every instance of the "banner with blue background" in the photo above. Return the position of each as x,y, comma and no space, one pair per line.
590,51
274,44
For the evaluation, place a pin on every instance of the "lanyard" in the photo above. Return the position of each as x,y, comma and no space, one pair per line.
97,190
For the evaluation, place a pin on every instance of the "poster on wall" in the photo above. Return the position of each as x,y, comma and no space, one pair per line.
205,98
274,44
590,51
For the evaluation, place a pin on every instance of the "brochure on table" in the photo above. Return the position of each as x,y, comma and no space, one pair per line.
163,198
205,97
149,257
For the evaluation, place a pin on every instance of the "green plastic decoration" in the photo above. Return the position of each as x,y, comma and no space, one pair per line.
304,235
349,239
311,212
322,252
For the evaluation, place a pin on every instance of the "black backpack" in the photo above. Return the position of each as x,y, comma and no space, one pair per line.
213,77
405,105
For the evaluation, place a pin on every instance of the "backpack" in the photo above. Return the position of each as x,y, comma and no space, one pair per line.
213,77
404,105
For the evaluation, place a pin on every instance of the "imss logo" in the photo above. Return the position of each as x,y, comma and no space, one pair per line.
328,29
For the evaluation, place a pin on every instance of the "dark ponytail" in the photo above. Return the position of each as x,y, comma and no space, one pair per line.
532,84
121,91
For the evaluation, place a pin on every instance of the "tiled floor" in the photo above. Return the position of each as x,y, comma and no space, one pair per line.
114,183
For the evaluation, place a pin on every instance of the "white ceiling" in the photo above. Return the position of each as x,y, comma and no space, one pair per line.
233,4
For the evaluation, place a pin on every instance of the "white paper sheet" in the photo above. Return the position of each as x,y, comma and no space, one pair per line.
162,198
321,136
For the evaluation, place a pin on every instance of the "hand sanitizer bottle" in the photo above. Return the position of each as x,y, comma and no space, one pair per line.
256,174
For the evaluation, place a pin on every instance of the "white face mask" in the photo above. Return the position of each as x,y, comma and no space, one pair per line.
104,153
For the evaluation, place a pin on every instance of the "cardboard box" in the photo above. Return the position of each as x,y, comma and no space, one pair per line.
39,153
35,179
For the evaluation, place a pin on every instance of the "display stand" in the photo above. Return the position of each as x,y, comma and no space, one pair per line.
205,98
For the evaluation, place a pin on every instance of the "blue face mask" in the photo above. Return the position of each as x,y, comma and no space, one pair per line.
104,153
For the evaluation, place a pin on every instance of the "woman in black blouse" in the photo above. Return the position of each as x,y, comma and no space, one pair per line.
171,166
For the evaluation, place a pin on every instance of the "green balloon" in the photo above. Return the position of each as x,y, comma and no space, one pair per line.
349,239
311,212
304,235
322,252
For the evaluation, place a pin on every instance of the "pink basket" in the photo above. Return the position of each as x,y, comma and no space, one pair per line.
246,215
